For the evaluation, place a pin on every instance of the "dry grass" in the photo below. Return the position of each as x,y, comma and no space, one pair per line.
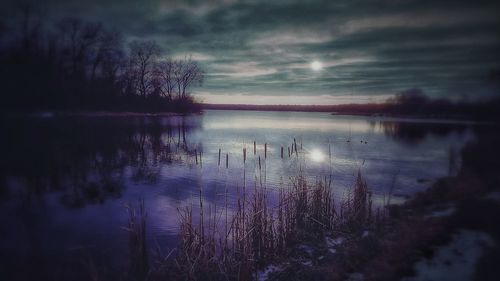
233,242
137,240
258,233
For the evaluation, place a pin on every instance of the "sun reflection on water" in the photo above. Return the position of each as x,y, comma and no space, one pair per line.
316,155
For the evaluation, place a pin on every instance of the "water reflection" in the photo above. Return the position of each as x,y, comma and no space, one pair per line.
316,155
88,160
85,159
411,132
63,180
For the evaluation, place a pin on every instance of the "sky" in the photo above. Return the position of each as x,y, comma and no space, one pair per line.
315,52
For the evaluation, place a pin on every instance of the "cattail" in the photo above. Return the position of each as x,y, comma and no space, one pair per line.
227,160
265,151
254,148
281,152
219,157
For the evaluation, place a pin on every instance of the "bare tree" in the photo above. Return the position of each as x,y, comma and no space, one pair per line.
178,72
112,61
31,25
414,96
165,73
128,78
142,57
157,81
78,38
107,55
187,73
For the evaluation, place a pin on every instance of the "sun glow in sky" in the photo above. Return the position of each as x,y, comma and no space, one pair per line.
309,52
316,65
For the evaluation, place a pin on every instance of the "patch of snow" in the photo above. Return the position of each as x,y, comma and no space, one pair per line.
356,276
455,261
263,275
443,213
307,263
47,114
334,242
321,257
306,249
493,196
365,234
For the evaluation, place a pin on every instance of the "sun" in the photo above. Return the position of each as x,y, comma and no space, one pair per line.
316,65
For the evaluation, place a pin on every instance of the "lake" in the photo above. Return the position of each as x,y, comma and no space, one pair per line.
65,180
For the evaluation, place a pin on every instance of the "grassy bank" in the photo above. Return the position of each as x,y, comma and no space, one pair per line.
419,229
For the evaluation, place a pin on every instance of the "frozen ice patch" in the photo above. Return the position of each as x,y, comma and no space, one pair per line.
307,263
356,276
330,242
307,249
263,275
444,212
455,261
333,243
495,196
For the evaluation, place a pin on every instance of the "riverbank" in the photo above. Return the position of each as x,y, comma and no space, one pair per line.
116,146
449,231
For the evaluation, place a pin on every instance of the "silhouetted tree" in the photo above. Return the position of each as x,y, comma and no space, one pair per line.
165,74
106,55
31,24
142,57
414,96
128,78
187,73
112,55
79,40
78,64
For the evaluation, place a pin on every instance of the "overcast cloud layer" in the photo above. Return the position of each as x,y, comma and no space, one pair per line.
260,51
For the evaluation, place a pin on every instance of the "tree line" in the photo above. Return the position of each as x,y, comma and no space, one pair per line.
74,64
411,102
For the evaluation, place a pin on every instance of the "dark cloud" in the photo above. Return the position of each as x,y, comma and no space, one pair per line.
368,48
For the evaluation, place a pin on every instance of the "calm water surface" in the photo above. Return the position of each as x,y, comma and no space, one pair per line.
65,180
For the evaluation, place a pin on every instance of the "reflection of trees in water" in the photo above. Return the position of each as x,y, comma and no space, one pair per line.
413,132
85,159
153,145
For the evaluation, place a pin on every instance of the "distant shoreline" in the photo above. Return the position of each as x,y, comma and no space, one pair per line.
305,108
369,110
